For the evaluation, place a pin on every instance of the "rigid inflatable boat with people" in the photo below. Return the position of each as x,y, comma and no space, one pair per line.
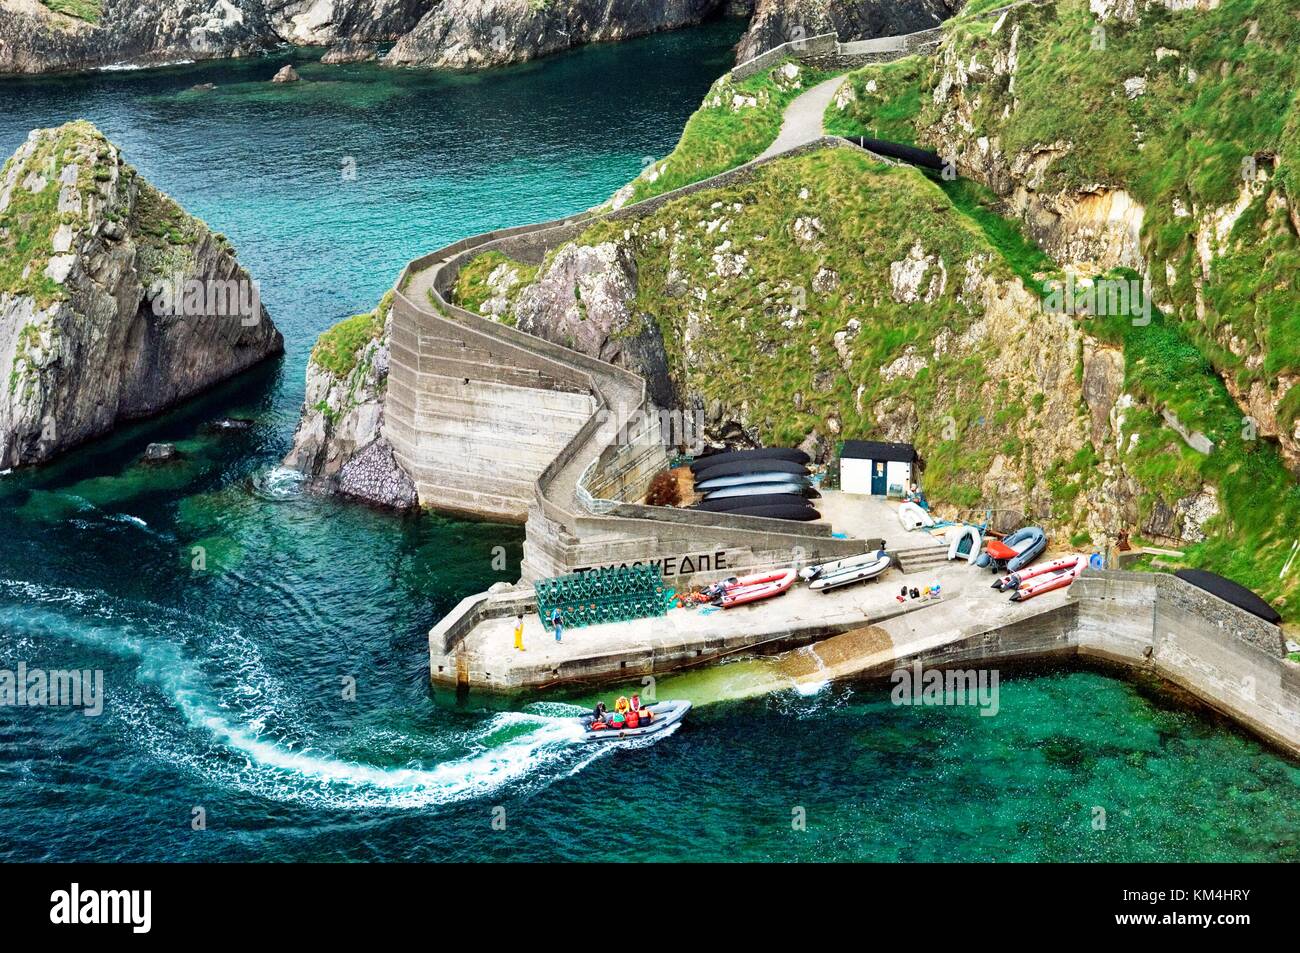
631,719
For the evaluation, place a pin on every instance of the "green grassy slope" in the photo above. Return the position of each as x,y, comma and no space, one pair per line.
1221,90
736,122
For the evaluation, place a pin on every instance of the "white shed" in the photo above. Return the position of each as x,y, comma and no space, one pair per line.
870,467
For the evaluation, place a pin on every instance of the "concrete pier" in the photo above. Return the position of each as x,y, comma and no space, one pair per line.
1149,623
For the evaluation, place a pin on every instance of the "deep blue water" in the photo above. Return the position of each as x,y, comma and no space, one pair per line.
226,686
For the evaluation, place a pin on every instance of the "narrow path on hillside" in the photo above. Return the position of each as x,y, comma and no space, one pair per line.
802,122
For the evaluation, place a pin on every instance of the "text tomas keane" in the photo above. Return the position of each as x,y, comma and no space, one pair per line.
99,907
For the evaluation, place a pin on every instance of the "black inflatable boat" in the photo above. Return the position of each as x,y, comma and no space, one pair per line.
731,456
741,467
730,503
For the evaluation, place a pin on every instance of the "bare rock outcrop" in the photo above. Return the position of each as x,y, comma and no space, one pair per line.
472,34
114,303
586,300
782,21
36,39
339,442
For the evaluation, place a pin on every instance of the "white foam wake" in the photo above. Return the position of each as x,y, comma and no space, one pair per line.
228,739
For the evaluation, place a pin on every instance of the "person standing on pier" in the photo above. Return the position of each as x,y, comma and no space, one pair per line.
557,620
519,633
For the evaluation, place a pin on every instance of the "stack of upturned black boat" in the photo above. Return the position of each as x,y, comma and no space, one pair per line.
773,482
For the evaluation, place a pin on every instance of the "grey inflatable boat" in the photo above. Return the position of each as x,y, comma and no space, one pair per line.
665,715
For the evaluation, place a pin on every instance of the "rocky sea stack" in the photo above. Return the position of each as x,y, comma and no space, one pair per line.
115,304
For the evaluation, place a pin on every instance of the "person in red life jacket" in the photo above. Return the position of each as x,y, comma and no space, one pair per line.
633,718
643,713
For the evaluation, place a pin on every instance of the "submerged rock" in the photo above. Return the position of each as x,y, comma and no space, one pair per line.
115,304
350,52
228,425
160,453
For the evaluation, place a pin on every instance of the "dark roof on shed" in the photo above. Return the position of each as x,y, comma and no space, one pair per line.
878,450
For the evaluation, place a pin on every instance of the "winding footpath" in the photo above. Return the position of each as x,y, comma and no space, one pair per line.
803,120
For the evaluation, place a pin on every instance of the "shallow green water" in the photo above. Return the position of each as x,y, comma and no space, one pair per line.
226,686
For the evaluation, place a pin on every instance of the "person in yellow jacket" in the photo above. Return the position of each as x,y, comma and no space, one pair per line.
622,706
519,633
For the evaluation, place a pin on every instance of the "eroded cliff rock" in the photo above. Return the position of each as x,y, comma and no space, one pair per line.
1215,234
585,299
781,21
470,34
114,303
339,442
35,39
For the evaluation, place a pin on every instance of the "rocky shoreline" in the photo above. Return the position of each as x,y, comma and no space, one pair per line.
443,34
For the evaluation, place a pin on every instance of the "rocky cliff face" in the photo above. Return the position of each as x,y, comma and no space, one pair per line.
825,298
339,442
35,39
325,22
1215,233
114,303
1160,147
781,21
468,34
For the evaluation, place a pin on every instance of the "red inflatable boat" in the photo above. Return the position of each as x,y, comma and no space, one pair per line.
745,589
1047,581
1016,579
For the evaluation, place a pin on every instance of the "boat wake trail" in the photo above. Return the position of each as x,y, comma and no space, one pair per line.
237,726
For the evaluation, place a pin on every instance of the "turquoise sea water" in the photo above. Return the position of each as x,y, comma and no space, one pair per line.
226,687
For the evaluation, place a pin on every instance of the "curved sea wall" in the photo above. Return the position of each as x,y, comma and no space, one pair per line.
575,424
